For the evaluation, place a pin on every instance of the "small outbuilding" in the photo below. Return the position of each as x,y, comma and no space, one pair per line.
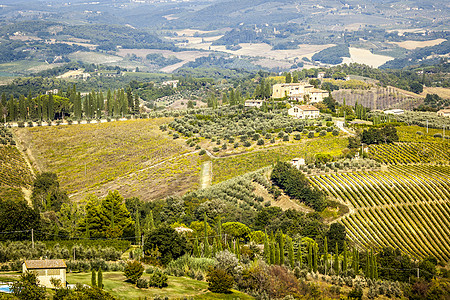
444,112
304,112
46,269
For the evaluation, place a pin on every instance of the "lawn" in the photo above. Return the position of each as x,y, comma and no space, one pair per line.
179,287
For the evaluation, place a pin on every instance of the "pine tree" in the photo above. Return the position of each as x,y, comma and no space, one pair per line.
100,278
93,279
336,260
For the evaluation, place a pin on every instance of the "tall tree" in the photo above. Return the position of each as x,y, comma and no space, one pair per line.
266,248
51,107
316,254
288,77
206,250
325,250
310,263
345,262
336,260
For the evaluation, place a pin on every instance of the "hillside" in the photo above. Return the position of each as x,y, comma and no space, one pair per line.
134,157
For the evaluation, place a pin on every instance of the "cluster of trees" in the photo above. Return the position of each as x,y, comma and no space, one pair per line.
433,103
297,186
333,55
385,134
70,103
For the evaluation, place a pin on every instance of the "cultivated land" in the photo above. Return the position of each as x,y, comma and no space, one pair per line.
132,156
363,56
410,45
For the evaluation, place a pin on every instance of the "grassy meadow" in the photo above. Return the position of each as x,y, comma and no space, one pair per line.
179,287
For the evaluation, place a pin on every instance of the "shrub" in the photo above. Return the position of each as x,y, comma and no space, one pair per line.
158,279
133,271
224,146
272,140
236,145
298,137
355,294
335,132
142,283
247,144
286,138
311,134
202,152
175,136
219,281
260,142
437,135
215,149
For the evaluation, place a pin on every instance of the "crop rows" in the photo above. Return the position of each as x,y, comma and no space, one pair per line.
407,207
405,153
14,171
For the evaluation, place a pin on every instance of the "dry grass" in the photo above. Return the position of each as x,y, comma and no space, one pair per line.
97,157
440,91
411,45
70,74
364,56
265,50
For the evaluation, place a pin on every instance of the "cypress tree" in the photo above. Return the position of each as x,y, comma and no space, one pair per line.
109,103
51,107
300,254
344,263
77,106
116,110
375,267
237,249
277,253
310,263
219,233
266,248
44,108
196,248
315,257
290,250
206,250
366,269
22,108
272,253
93,279
137,228
224,98
232,99
151,224
214,247
325,249
100,278
357,262
136,104
281,242
336,260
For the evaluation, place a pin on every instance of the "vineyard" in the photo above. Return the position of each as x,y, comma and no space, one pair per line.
407,153
406,207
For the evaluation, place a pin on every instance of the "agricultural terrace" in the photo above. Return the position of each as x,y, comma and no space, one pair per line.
86,157
406,207
407,153
14,173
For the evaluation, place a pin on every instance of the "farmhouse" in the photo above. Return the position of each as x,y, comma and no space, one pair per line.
297,162
394,111
47,269
253,103
298,92
304,112
444,112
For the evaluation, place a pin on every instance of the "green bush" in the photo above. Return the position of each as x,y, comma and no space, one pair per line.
158,279
133,271
142,283
260,142
219,281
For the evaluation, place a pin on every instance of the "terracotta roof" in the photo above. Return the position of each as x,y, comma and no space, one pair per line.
45,264
307,107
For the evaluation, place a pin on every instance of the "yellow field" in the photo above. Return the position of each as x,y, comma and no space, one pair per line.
364,56
132,156
440,91
411,45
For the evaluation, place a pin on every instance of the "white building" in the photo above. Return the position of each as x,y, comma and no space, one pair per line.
444,112
47,269
395,111
253,103
297,162
304,112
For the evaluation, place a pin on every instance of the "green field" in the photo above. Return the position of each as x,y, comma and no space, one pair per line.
179,287
229,167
